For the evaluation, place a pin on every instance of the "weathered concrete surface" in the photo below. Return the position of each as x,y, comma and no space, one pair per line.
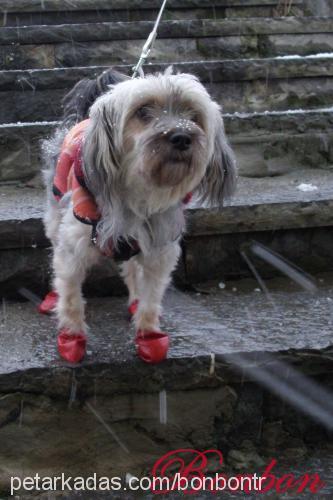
292,122
211,11
62,5
31,267
278,45
266,145
219,254
234,320
271,210
320,461
20,150
35,106
27,56
239,96
320,7
228,411
276,154
192,28
262,199
273,94
135,420
57,437
205,257
207,71
52,425
239,85
100,53
121,52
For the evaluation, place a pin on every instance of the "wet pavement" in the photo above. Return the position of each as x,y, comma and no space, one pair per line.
237,319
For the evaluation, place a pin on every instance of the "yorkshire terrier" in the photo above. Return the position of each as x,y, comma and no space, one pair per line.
127,158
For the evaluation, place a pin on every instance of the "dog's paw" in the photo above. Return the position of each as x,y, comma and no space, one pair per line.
147,320
132,308
49,303
72,346
152,346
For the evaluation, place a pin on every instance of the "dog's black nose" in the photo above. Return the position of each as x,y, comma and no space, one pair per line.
180,140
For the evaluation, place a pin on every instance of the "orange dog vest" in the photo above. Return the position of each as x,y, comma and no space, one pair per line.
69,176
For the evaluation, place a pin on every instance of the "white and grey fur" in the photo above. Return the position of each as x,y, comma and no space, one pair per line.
139,175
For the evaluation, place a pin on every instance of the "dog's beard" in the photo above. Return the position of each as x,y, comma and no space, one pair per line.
171,172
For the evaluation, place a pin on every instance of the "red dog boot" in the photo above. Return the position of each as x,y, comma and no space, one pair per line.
72,346
152,346
132,308
48,304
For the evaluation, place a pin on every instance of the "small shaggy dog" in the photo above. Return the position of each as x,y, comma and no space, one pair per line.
120,169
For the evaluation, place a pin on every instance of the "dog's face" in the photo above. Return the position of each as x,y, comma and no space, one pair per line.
161,132
165,135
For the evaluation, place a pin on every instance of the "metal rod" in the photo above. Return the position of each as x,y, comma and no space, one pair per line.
149,43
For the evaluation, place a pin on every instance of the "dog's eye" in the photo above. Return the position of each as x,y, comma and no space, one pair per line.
144,113
196,118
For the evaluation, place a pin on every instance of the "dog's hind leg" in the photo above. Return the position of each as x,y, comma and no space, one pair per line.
156,273
52,220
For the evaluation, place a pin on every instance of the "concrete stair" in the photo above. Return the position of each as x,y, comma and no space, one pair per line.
22,13
287,141
271,209
245,85
210,401
106,43
270,64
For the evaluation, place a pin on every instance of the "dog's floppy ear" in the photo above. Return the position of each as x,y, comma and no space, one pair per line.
101,158
219,181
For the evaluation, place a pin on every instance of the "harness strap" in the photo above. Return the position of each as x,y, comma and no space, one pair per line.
84,206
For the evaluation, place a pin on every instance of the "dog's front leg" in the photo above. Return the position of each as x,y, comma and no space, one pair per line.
72,257
157,267
68,279
131,272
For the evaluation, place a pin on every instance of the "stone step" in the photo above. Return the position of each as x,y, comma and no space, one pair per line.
23,13
266,144
275,210
119,43
79,5
208,326
240,85
206,403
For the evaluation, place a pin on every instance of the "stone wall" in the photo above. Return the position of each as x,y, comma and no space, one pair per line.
247,424
319,7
